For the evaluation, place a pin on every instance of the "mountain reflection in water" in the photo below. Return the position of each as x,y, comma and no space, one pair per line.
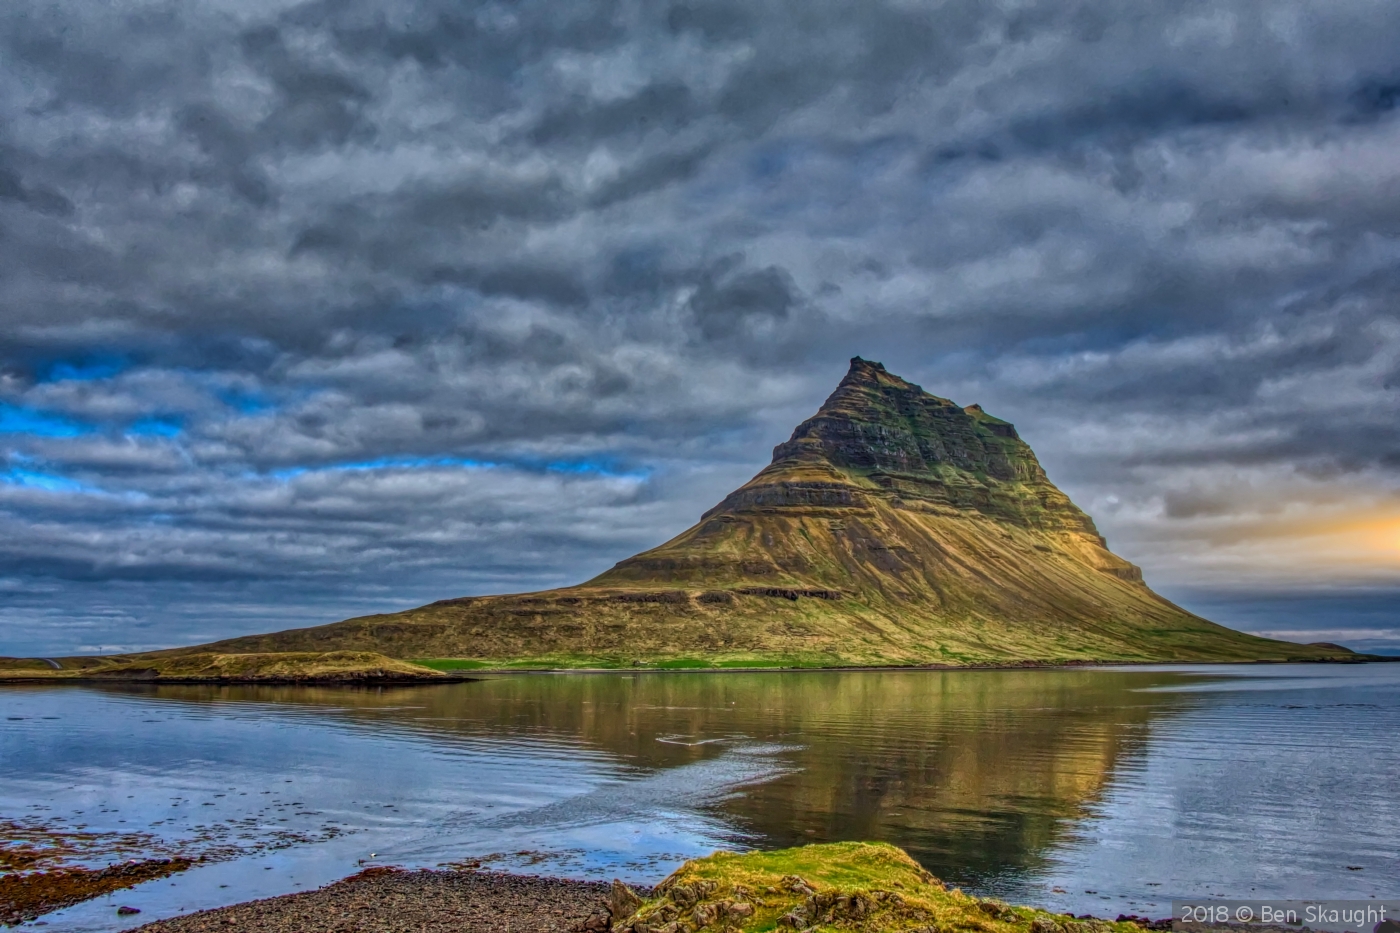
1090,790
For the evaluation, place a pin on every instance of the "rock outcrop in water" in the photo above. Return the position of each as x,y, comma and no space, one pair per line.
893,527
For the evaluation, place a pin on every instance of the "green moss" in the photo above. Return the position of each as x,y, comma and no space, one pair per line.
855,887
451,664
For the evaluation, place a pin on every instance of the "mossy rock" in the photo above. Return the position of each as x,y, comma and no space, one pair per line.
844,886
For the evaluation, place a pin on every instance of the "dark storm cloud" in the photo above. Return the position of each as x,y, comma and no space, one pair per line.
726,299
349,305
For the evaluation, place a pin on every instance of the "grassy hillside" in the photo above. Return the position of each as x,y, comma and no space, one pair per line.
893,528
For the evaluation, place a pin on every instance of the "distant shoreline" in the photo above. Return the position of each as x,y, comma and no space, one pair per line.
197,682
989,666
469,675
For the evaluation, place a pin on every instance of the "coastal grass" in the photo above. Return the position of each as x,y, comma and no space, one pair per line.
588,662
848,886
941,657
220,667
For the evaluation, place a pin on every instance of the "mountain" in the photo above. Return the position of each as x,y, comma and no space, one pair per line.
893,527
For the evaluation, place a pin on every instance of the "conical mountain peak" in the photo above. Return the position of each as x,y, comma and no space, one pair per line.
878,430
893,527
869,370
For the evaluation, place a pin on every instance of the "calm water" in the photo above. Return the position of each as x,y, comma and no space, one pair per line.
1099,791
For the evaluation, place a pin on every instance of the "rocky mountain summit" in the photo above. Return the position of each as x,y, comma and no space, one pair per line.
926,449
878,444
893,527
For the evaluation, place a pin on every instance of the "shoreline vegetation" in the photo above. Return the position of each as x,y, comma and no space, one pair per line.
854,887
613,665
30,895
371,669
312,668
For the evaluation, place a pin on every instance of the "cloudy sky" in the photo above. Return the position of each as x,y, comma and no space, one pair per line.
312,309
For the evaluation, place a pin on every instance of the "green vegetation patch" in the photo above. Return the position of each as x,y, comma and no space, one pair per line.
844,886
568,662
748,662
450,664
561,662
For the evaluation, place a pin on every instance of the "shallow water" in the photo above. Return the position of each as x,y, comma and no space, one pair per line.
1101,791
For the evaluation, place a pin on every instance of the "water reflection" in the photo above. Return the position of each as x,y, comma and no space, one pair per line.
1062,787
976,773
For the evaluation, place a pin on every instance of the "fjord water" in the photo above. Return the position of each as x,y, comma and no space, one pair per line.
1096,791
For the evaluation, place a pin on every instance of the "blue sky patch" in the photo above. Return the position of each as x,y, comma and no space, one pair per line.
17,420
598,466
155,427
582,466
385,463
33,479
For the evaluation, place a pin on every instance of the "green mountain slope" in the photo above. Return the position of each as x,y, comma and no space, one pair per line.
894,527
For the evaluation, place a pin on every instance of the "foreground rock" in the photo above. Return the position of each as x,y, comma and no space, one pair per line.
295,667
850,886
383,900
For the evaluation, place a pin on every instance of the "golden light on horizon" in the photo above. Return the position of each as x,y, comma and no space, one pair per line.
1302,545
1381,535
1358,539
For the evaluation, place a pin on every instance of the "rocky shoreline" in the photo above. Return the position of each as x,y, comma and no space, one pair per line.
388,900
859,887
